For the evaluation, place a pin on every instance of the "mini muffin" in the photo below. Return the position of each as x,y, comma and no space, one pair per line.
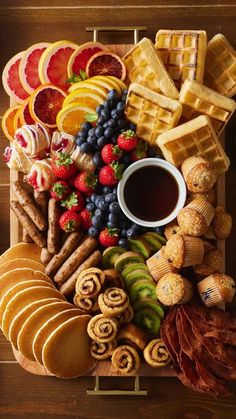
210,196
199,174
212,262
174,289
158,265
172,228
221,224
195,218
207,246
183,251
216,288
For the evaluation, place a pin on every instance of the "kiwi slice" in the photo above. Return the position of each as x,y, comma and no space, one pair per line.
141,246
156,236
142,288
134,267
148,320
153,242
136,275
127,259
110,255
149,303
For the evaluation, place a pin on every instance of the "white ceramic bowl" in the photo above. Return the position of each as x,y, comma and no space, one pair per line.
169,168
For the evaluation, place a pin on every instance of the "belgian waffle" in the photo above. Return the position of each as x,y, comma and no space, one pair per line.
151,112
144,66
183,53
195,137
197,99
220,69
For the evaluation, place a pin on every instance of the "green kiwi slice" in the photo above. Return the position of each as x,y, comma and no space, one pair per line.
127,259
141,246
134,267
135,276
149,303
148,320
142,288
153,242
155,236
110,255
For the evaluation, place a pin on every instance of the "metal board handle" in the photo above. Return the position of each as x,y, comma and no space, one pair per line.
97,391
134,29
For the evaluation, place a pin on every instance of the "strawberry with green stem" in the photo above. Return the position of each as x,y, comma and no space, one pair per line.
86,218
127,140
75,201
63,166
109,237
86,182
111,174
70,221
140,151
60,190
111,153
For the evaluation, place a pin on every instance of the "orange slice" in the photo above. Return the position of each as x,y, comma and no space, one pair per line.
17,123
53,63
24,113
28,70
107,83
69,119
89,84
8,122
45,103
85,97
11,80
119,81
106,63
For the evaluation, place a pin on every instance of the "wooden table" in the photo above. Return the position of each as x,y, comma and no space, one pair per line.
22,23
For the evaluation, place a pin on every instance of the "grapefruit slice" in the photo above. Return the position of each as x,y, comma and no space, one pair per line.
81,56
16,123
45,103
8,122
11,80
28,70
89,84
85,97
69,119
53,63
24,113
106,63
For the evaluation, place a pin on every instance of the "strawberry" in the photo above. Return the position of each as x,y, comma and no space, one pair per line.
70,221
111,153
109,237
75,201
140,151
86,217
63,166
59,190
111,174
127,140
86,182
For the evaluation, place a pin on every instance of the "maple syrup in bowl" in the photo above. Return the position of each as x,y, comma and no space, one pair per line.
151,192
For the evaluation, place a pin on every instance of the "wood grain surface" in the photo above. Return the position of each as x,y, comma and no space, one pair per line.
22,23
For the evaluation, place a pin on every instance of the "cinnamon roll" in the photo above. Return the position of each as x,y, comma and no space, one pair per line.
156,354
87,304
113,301
125,359
89,282
113,279
102,351
102,329
126,316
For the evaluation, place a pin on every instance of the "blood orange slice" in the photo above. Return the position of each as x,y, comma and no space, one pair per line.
81,56
28,69
106,63
53,63
11,80
24,113
45,103
70,118
8,122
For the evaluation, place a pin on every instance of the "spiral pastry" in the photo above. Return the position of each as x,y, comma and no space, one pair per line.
16,159
34,139
156,354
62,143
88,305
126,316
113,301
132,335
89,282
102,351
102,329
41,176
125,359
113,279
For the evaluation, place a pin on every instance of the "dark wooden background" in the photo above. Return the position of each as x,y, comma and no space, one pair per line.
22,23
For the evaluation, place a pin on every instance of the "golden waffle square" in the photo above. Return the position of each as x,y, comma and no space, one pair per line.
220,68
183,53
151,112
144,66
195,137
197,99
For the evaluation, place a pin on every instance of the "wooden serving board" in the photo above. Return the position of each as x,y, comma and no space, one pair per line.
103,368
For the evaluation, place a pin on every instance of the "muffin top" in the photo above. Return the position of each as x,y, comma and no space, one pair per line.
201,178
171,289
172,228
225,285
192,222
221,224
212,262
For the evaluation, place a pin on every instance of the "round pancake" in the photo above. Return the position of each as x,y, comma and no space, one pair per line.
48,327
18,287
22,299
23,315
33,324
21,263
21,250
18,275
66,352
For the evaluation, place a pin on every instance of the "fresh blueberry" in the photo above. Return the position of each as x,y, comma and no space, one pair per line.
99,213
112,104
123,243
131,233
90,206
96,221
115,114
114,140
113,218
111,123
132,127
112,94
79,141
106,190
93,197
99,109
100,120
120,106
101,141
87,126
85,148
99,131
123,232
114,190
125,159
98,199
92,140
110,197
105,114
93,231
114,207
108,133
97,160
102,205
152,152
107,104
88,199
111,225
120,123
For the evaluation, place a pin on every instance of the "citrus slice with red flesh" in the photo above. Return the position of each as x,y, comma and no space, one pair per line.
81,56
89,84
8,122
85,97
28,70
11,79
69,119
24,113
53,63
17,123
106,63
45,103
